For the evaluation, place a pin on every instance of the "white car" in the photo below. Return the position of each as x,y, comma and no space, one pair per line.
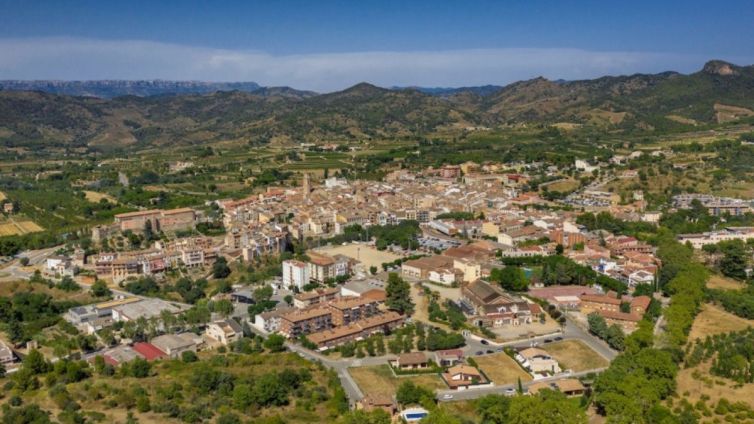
447,397
510,391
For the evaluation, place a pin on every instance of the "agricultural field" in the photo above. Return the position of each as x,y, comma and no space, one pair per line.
379,380
15,226
502,369
576,356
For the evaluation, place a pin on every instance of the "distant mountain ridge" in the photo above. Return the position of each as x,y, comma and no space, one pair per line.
719,92
107,89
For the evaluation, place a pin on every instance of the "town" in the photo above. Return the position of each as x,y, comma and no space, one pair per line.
458,275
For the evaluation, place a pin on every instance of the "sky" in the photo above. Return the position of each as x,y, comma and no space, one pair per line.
330,45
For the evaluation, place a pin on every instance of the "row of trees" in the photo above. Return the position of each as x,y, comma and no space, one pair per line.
613,334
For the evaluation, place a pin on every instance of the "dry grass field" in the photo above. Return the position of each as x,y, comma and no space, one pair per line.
502,369
7,289
693,383
714,320
2,196
721,282
95,197
367,255
379,380
563,185
16,227
576,356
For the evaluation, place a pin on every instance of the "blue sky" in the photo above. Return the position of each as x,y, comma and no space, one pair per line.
328,45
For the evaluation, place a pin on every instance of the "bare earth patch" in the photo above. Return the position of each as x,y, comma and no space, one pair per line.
379,380
502,369
367,255
576,356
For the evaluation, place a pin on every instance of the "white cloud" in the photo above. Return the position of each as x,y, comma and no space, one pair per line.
80,59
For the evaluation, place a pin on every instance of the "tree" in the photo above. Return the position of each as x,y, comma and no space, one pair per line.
492,409
275,343
615,337
220,268
68,284
288,299
189,356
269,392
734,261
440,416
409,393
510,278
223,307
398,293
100,289
24,261
547,407
597,325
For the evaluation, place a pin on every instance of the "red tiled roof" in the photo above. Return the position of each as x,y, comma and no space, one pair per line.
149,351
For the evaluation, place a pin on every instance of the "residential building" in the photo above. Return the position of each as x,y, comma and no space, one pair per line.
411,361
461,376
225,331
305,321
380,323
449,357
538,360
295,274
316,297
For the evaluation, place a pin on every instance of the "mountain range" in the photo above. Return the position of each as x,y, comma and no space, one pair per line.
719,92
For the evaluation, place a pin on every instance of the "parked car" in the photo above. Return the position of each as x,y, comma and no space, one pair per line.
447,397
484,342
479,352
548,340
510,391
490,351
557,339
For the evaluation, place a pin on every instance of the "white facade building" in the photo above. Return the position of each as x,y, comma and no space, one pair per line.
295,274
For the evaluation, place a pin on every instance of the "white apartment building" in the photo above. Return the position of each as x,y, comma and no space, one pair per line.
295,274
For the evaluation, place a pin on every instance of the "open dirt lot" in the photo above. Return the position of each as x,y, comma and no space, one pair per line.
502,369
95,197
367,255
379,380
714,320
525,331
575,355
